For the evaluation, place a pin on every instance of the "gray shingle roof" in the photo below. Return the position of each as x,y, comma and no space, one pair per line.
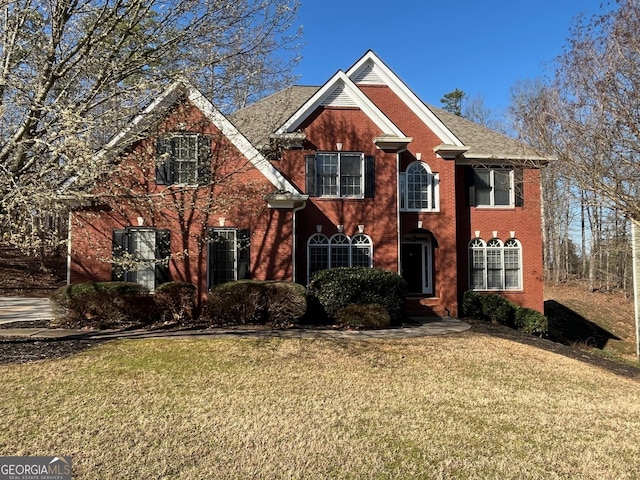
259,120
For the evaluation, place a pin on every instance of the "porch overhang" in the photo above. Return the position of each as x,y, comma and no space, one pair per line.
392,143
286,200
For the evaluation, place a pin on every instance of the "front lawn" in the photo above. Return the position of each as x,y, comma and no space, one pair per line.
460,406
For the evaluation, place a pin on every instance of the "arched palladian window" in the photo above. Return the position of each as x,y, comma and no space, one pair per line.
495,265
477,264
361,251
340,247
419,189
318,253
338,251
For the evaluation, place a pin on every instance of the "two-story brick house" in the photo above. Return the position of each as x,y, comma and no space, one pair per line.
358,171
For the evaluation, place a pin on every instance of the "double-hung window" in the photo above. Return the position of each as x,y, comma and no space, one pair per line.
496,187
340,175
141,255
419,189
228,255
495,265
183,159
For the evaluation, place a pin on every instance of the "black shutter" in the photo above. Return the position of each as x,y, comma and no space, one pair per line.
310,161
369,176
469,186
518,181
163,252
243,246
163,154
204,159
212,258
118,249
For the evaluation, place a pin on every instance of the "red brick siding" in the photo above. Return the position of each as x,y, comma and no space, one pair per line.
185,213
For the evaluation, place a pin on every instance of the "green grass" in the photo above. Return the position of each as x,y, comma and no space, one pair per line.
461,406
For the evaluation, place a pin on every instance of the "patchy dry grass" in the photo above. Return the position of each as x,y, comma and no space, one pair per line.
469,406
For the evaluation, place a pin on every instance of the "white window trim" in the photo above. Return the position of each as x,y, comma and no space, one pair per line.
512,196
329,243
483,247
339,175
434,190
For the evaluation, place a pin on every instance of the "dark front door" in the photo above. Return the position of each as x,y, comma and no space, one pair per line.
415,259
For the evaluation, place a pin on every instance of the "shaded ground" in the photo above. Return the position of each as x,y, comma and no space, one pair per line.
28,276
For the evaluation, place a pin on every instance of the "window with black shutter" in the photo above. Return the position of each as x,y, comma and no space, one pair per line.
496,187
228,255
340,175
183,159
141,255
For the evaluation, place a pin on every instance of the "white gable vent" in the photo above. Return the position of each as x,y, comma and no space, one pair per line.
339,97
367,74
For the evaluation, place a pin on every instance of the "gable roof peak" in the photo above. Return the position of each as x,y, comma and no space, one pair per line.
340,91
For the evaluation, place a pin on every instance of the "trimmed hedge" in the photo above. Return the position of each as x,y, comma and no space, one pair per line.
103,305
531,321
176,301
335,288
364,315
471,304
497,309
251,302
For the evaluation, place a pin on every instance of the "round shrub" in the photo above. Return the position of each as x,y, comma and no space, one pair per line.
335,288
530,321
176,301
497,309
102,305
363,316
471,304
250,302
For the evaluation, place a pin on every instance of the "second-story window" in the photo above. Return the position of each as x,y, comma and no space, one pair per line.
183,159
419,189
496,187
340,175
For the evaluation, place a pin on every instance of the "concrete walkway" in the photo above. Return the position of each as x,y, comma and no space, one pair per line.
20,309
23,309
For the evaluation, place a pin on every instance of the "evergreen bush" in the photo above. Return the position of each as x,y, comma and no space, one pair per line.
176,301
335,288
250,302
103,305
531,321
471,304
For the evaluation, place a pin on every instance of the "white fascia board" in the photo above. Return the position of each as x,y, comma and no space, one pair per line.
362,101
408,97
143,119
240,142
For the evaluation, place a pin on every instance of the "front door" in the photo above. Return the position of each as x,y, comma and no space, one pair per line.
415,259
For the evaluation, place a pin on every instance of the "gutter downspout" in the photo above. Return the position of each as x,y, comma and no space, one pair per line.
69,223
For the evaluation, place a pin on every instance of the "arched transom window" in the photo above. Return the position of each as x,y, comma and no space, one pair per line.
495,265
419,188
338,251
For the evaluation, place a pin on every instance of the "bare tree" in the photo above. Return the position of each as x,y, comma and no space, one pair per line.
73,72
588,116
